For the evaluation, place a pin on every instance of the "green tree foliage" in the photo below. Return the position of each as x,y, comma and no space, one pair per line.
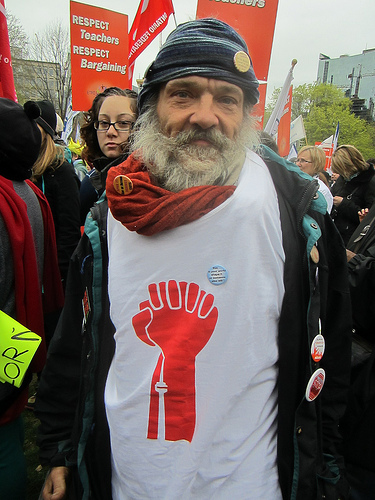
322,107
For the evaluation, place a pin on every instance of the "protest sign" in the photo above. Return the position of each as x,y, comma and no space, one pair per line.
254,20
17,347
99,52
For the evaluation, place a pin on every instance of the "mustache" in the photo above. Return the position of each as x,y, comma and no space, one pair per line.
216,138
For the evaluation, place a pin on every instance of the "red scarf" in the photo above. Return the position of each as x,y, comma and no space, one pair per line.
149,209
28,296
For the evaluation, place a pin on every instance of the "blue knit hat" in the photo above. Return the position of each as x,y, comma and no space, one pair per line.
204,47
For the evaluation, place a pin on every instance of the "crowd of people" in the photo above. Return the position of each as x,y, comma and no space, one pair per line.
206,307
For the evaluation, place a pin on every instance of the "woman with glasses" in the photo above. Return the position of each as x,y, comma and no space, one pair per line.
312,160
108,125
353,191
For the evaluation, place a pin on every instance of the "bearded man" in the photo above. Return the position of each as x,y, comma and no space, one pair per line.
210,362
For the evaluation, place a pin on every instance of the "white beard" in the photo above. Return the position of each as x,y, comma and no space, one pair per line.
178,164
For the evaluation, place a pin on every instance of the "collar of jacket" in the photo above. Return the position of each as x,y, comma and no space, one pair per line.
363,177
300,190
98,176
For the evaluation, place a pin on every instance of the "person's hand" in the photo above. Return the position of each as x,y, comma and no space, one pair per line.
337,200
349,255
55,485
362,214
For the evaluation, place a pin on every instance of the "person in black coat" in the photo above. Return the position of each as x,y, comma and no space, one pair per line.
357,425
354,189
56,178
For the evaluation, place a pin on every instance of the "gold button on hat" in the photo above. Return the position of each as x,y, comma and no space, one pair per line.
242,61
122,184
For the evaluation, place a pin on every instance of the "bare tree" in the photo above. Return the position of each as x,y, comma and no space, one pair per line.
51,75
18,39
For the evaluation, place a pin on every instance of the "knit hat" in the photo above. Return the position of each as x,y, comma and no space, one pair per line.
47,119
20,139
204,47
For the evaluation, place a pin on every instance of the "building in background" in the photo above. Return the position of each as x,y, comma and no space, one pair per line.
355,75
32,77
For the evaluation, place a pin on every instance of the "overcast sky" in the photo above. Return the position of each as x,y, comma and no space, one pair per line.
304,29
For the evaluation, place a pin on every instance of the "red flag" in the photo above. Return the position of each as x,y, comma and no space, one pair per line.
6,72
283,131
150,20
258,110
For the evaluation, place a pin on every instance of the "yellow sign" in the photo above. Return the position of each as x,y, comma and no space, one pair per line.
17,348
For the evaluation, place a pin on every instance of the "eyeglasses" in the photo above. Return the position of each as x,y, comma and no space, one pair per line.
302,160
120,126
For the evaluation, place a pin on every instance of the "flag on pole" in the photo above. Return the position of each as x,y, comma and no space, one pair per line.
329,146
293,153
297,130
68,123
150,20
277,113
336,137
283,131
6,72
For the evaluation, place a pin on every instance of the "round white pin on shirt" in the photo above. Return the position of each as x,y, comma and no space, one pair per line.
217,275
315,384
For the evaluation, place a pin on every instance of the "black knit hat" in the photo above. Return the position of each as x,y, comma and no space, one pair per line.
204,47
47,119
20,139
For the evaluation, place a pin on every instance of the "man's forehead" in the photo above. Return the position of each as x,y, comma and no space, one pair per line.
200,82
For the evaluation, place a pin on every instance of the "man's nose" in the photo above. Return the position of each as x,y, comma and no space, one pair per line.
204,113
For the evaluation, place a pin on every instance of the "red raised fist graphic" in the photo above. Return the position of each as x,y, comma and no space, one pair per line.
179,319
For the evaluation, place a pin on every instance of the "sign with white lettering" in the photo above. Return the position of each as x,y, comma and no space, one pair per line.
17,348
99,52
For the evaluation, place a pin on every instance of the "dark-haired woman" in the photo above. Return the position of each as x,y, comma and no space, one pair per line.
105,134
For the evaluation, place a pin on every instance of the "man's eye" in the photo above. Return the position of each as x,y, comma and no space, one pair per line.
228,101
181,94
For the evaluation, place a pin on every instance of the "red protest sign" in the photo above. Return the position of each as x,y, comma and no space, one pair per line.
254,20
99,52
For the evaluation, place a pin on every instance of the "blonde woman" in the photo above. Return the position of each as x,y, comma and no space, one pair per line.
353,191
312,160
58,181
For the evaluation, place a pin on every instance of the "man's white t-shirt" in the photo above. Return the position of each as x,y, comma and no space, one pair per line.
191,394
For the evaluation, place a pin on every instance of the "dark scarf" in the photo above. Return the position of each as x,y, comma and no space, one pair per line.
149,209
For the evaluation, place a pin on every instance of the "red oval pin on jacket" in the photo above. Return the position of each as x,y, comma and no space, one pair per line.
122,184
315,384
318,346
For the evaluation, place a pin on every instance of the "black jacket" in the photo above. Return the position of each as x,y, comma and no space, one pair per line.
308,459
358,423
358,193
93,184
61,188
362,277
